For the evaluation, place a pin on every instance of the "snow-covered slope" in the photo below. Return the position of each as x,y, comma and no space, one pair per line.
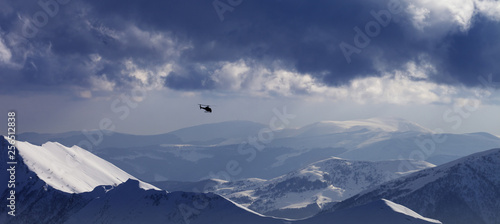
377,212
72,170
466,190
326,181
306,191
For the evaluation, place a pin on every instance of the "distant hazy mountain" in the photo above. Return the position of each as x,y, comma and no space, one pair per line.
422,145
386,139
373,124
229,132
223,133
198,152
285,154
466,190
97,139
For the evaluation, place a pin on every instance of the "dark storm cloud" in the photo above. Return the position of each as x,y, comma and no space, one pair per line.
474,53
301,35
190,78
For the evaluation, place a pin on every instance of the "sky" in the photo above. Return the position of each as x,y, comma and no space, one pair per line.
142,67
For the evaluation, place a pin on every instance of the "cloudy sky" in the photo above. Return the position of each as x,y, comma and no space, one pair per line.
143,66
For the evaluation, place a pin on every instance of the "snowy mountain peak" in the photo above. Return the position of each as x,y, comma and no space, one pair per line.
372,124
71,170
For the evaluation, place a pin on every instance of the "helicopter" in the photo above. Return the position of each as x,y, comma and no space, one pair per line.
206,108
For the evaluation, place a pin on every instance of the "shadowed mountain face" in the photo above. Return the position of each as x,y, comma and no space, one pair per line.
462,191
377,212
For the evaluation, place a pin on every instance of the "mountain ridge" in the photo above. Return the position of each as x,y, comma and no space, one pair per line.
238,129
462,191
129,201
78,169
315,185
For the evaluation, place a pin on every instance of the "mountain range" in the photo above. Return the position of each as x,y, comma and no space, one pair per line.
306,191
39,199
199,149
330,170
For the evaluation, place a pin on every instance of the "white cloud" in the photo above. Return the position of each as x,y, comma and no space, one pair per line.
407,86
489,8
436,19
419,16
397,89
134,71
152,76
95,57
102,30
101,83
163,42
472,103
87,94
231,75
5,53
439,17
258,80
148,77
